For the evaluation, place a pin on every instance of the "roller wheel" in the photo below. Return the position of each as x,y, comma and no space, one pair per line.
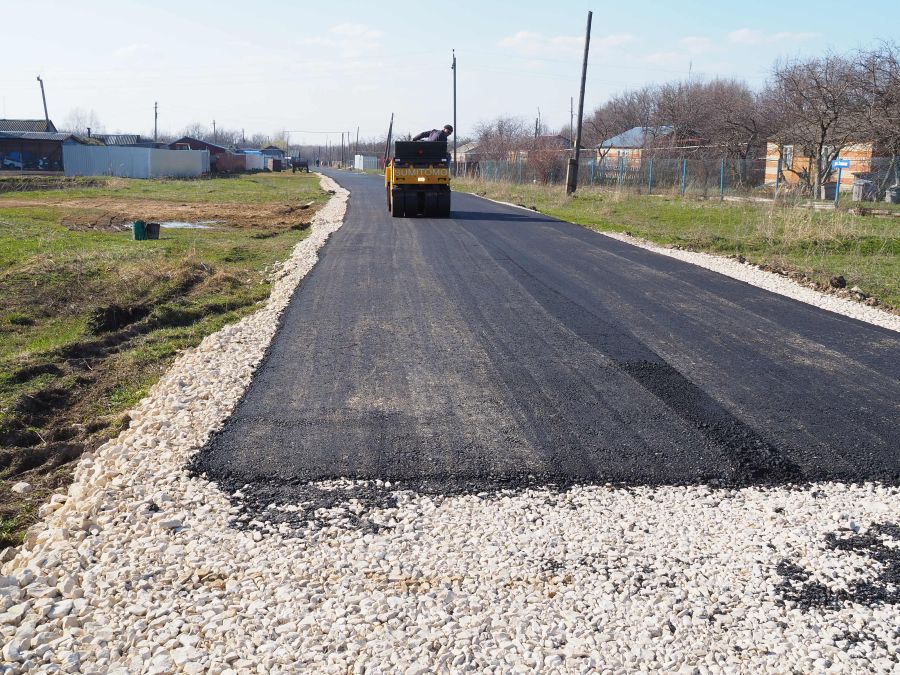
398,203
444,204
432,208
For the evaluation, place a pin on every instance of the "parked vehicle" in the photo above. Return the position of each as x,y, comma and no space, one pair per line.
299,164
13,161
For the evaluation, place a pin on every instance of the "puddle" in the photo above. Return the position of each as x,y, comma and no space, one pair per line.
182,225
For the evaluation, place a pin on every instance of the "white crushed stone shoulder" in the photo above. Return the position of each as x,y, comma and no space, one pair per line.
139,568
753,275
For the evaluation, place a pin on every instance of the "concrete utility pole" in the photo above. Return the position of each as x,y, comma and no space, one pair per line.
455,129
357,141
572,172
571,118
155,118
44,98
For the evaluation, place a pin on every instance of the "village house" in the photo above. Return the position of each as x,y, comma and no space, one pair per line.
628,148
790,164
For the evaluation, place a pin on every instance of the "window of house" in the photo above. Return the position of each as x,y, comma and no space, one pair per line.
787,156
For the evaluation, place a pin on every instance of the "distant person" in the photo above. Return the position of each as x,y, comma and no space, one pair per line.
435,134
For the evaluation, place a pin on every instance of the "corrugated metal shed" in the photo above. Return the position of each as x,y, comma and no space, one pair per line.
27,125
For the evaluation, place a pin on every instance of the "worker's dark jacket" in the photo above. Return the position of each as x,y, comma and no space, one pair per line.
433,135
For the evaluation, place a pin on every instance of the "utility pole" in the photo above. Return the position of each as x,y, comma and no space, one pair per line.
342,149
357,141
215,136
387,143
571,118
44,98
455,130
572,173
155,118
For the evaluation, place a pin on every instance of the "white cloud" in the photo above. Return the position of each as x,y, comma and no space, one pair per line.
696,44
751,36
348,40
529,43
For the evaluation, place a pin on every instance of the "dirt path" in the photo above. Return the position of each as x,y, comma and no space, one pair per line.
104,212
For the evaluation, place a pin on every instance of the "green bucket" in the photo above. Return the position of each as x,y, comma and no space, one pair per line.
139,230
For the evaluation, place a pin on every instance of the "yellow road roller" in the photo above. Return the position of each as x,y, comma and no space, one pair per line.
417,179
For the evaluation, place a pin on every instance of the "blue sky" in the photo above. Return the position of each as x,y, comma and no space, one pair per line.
330,66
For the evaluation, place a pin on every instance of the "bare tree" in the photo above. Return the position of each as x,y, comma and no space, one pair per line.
619,114
879,79
79,120
816,104
502,137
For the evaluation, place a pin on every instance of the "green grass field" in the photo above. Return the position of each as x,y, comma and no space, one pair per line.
90,319
818,244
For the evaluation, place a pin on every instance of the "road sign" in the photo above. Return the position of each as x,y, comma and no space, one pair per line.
840,164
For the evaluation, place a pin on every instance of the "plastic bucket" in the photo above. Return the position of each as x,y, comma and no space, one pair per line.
139,230
152,230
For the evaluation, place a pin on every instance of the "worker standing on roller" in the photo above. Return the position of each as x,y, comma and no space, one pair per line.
435,134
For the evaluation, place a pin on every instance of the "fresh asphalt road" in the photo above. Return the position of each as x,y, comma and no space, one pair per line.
502,345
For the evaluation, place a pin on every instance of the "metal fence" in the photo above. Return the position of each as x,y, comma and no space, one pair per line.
133,162
695,176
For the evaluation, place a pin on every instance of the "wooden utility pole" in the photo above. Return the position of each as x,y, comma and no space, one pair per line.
215,135
572,173
155,119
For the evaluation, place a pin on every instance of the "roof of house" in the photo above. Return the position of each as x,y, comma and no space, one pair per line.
636,137
191,139
27,125
471,146
119,139
47,136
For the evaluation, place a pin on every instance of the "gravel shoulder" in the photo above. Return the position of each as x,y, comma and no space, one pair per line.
144,567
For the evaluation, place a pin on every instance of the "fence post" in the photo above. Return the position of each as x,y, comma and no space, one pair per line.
777,176
837,187
593,163
650,179
683,176
722,180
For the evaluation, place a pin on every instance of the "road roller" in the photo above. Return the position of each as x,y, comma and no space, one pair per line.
417,179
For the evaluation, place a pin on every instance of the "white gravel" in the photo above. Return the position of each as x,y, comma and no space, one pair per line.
755,276
140,568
